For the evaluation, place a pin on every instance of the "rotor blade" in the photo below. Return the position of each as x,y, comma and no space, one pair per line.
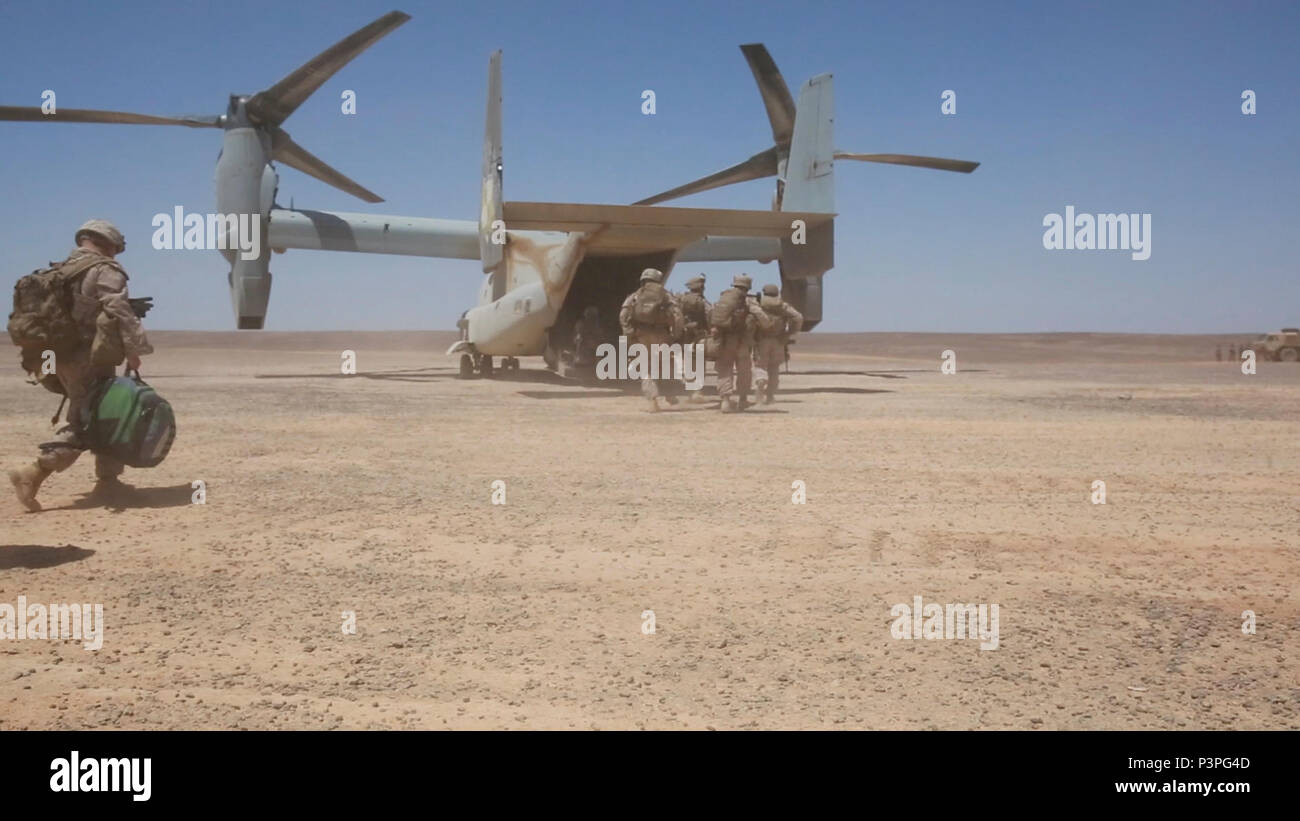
775,93
284,149
33,114
274,105
762,164
938,163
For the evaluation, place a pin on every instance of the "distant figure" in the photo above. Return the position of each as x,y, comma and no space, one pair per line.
1218,353
586,337
1232,352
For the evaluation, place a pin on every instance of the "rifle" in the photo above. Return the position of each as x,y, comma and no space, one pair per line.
141,305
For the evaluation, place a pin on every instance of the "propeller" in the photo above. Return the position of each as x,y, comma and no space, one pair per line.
274,105
762,164
33,114
265,110
284,149
937,163
781,115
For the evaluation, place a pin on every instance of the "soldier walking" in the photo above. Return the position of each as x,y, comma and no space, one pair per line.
782,324
695,312
104,332
732,321
651,315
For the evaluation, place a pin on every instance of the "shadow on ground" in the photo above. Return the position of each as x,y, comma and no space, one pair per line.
36,556
879,374
133,498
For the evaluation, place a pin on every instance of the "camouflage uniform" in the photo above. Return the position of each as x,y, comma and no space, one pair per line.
695,314
733,359
99,301
783,324
651,389
695,311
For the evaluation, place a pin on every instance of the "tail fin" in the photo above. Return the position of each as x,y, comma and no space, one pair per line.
492,253
809,174
810,186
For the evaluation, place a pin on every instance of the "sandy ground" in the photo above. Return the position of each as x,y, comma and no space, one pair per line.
371,493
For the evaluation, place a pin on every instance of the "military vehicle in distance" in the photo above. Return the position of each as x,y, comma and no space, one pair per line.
1282,346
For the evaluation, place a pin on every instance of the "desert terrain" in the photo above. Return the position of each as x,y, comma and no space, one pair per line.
371,493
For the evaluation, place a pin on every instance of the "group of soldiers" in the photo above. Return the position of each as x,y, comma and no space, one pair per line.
746,336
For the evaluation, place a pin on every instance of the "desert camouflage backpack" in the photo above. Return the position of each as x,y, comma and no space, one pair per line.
652,306
42,316
772,321
730,311
693,308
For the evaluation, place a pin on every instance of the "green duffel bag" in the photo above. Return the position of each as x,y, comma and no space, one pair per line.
130,422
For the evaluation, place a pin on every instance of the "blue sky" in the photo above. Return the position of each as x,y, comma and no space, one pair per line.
1109,107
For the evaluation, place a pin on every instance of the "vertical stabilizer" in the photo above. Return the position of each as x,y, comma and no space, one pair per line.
810,186
490,210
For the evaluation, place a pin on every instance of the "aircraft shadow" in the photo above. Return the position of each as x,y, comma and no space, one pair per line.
711,391
36,556
134,498
404,375
879,374
830,389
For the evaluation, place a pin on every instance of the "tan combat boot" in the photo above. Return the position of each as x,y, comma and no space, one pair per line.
27,482
653,406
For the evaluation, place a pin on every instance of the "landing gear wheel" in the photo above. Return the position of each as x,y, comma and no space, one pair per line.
466,367
485,367
511,364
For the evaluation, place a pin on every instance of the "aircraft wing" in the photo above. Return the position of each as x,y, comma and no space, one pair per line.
642,228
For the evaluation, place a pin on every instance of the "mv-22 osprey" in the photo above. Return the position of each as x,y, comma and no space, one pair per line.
544,263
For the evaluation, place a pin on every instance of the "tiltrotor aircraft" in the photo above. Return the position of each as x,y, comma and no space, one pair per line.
544,263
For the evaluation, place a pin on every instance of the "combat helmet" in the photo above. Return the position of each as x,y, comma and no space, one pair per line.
105,230
652,275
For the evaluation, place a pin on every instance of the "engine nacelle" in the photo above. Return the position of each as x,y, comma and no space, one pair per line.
246,184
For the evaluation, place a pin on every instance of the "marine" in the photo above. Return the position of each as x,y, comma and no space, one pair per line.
771,337
695,311
651,315
732,320
107,331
